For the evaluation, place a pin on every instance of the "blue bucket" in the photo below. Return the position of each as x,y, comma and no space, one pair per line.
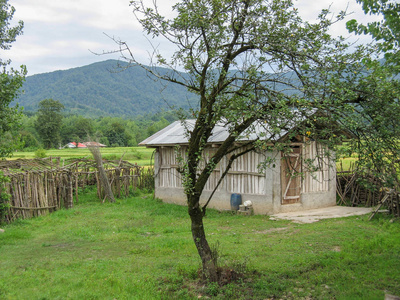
236,200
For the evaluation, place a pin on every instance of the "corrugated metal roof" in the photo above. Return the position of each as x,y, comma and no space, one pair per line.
171,135
176,134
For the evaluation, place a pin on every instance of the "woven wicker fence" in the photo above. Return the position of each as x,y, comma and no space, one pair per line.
355,189
41,186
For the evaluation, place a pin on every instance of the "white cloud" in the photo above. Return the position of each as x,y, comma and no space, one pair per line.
309,10
60,33
40,11
95,13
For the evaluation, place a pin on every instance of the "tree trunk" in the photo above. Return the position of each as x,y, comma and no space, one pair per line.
103,176
199,238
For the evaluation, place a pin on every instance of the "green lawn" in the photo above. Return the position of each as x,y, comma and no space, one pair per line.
139,155
141,248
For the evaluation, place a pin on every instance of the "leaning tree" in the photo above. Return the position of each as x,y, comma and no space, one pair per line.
257,63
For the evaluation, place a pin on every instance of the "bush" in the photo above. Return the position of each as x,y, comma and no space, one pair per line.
40,153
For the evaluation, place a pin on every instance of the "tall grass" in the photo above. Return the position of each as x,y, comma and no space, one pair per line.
141,248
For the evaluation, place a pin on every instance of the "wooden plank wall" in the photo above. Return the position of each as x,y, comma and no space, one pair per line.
242,178
216,174
168,173
317,181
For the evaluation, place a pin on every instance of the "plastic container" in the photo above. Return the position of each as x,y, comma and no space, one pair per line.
236,200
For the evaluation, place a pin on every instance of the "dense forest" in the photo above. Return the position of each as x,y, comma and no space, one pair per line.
111,131
104,89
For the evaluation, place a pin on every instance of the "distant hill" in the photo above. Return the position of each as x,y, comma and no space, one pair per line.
98,90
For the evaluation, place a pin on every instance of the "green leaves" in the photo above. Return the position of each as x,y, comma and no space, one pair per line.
385,32
10,82
8,34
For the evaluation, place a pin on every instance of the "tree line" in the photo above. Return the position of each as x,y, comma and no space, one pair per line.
50,127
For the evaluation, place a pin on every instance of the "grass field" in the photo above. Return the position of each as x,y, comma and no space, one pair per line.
139,155
141,248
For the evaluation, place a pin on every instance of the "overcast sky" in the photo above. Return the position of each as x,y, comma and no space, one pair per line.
59,34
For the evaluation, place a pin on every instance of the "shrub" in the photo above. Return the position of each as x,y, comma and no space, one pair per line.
40,153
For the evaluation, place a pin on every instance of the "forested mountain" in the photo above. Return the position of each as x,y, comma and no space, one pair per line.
100,90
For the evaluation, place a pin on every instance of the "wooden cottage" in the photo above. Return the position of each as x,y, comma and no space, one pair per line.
276,190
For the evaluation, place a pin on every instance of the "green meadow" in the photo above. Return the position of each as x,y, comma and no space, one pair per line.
141,248
139,155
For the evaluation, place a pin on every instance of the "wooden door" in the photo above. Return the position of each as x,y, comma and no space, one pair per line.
290,176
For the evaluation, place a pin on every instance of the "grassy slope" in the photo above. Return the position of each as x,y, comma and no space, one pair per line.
140,248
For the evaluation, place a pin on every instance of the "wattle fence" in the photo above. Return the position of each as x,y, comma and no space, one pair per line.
41,186
356,189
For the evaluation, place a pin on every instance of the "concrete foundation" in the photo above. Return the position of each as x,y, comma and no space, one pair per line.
261,203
